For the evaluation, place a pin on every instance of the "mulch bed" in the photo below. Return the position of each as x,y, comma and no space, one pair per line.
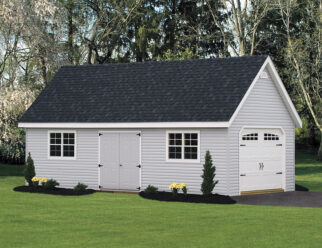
56,191
168,196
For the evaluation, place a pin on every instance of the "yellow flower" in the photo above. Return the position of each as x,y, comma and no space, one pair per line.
174,186
35,179
182,185
43,180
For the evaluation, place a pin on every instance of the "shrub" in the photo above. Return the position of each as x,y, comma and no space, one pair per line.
184,189
38,180
80,188
174,188
51,184
208,183
29,170
150,189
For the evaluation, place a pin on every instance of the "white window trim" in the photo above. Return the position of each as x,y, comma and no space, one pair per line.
62,157
182,160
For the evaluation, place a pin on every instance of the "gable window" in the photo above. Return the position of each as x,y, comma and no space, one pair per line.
62,144
183,146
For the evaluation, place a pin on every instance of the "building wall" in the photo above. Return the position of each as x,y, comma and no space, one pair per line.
68,173
263,107
155,170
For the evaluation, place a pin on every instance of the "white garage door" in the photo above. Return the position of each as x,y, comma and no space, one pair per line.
261,159
120,161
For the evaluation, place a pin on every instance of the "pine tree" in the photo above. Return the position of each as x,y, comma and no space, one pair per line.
208,176
29,170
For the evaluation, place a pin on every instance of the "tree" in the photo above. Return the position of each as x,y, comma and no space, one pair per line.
240,33
208,183
303,51
29,170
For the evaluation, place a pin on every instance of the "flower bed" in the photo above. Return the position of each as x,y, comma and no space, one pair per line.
168,196
55,191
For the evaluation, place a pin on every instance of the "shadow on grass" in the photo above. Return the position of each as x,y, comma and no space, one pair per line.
300,188
307,170
7,170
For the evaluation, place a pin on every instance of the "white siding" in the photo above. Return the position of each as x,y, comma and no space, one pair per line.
157,172
67,172
263,107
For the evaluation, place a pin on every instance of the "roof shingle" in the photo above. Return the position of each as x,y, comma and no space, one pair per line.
171,91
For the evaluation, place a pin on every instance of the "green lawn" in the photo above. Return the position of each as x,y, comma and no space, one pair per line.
126,220
308,172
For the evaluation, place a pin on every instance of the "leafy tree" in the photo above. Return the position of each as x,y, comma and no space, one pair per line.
29,170
208,183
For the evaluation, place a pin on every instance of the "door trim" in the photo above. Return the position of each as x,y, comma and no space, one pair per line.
99,155
284,151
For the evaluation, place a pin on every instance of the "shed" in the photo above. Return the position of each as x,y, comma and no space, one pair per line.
125,126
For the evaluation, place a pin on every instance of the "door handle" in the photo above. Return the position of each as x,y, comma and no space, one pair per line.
121,165
279,172
242,175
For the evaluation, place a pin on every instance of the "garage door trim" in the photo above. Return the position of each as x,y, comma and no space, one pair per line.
284,151
139,132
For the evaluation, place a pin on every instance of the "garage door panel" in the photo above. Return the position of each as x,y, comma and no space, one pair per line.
261,159
262,182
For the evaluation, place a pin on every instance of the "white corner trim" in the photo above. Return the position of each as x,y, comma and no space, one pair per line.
124,125
280,86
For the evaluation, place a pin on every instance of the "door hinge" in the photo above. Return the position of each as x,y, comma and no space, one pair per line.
99,134
242,145
100,165
279,144
138,134
139,166
138,188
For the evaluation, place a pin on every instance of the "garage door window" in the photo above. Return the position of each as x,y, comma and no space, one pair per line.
250,136
270,136
183,146
62,144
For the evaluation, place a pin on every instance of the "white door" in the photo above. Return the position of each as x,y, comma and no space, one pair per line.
120,161
261,159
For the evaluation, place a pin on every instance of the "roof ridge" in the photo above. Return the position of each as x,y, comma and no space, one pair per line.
167,61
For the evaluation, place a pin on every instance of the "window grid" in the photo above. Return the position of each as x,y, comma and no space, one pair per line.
183,146
270,136
62,144
250,136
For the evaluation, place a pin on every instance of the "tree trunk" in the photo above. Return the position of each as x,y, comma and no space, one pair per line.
319,157
70,34
43,70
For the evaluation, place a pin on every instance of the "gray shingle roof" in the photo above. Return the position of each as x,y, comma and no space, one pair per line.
171,91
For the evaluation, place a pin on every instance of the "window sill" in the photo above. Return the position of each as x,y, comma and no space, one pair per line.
183,161
62,158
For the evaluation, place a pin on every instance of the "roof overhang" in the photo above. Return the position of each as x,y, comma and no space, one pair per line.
281,89
124,125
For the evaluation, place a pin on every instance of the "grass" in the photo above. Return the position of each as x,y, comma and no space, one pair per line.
308,172
126,220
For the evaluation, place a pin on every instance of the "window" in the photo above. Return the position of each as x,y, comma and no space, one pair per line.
62,144
250,136
270,136
183,146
